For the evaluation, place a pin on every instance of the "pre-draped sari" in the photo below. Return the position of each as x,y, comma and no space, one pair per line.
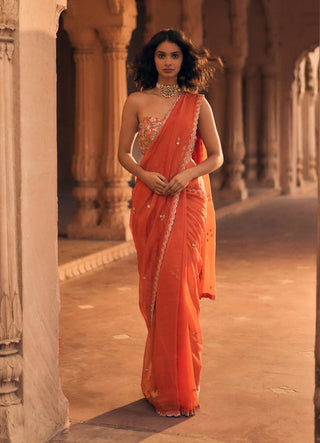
175,241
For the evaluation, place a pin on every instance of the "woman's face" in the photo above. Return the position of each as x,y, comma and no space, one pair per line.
168,60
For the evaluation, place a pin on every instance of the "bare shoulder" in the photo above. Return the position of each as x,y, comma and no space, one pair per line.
135,101
205,106
206,114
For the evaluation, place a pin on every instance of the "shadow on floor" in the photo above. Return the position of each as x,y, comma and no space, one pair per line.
139,416
132,423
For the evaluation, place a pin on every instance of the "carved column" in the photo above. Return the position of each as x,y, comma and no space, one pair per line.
289,159
317,118
316,398
85,158
10,297
251,126
235,187
116,192
309,125
270,160
191,20
297,127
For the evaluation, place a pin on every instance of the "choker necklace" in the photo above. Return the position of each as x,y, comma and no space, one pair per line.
168,91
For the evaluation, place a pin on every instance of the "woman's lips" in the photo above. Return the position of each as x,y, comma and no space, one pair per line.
168,70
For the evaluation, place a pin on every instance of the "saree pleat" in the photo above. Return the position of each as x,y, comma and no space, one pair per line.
174,238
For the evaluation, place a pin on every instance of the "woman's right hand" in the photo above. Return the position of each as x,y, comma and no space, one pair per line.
155,181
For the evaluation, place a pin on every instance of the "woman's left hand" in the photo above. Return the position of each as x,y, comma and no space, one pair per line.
178,182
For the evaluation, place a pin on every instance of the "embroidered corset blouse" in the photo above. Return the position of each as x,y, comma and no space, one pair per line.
149,128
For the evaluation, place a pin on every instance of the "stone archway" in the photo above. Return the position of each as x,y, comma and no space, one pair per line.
305,91
260,75
305,164
99,38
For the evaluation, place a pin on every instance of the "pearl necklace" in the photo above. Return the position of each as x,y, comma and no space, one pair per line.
167,91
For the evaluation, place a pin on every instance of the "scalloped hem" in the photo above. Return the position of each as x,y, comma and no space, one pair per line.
177,414
207,295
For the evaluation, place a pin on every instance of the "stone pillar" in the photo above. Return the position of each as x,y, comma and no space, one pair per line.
297,127
235,187
11,412
86,155
191,20
309,125
270,160
251,126
32,406
317,118
289,156
316,398
116,193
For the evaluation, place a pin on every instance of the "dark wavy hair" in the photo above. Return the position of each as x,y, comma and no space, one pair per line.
197,68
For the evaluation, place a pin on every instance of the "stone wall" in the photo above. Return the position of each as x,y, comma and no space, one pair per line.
32,406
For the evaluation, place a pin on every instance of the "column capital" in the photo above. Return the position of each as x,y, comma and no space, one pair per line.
82,38
8,18
115,38
309,76
251,70
269,69
8,21
235,63
116,33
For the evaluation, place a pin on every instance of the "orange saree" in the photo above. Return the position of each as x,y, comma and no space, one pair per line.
175,241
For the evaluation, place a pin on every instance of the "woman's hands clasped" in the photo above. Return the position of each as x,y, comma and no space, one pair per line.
160,185
155,181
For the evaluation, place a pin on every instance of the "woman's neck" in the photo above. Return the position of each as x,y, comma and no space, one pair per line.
167,81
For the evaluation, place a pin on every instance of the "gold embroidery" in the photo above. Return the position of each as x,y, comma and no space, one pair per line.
149,128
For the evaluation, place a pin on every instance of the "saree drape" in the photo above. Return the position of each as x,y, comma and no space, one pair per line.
175,242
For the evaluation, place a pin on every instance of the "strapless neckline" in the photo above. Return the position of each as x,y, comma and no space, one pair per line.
150,117
150,126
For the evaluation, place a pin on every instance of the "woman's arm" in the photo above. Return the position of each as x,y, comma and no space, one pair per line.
209,134
129,126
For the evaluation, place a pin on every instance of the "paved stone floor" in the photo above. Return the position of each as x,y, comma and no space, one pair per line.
258,366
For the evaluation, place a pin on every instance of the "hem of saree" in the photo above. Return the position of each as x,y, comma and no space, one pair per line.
174,413
207,295
178,414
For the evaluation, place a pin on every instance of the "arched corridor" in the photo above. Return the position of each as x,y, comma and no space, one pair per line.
256,104
305,126
258,368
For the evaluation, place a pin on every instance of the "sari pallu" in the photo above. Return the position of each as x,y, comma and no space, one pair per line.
174,237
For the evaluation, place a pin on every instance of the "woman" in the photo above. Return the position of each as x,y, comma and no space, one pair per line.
172,219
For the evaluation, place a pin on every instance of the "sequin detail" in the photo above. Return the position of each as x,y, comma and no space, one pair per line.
196,191
176,198
149,128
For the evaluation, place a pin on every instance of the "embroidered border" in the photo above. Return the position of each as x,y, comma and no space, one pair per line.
196,191
175,205
163,121
193,133
163,250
